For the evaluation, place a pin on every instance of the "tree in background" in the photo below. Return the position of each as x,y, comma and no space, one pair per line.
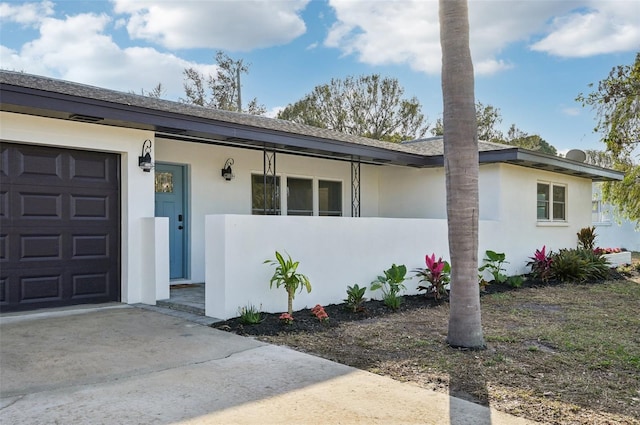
617,104
369,106
461,169
533,142
157,92
222,90
488,118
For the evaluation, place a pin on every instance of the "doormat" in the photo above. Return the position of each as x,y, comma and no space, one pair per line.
185,285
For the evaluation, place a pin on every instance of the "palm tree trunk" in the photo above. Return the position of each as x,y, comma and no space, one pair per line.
290,294
461,167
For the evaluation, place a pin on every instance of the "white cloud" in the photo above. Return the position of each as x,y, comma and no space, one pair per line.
407,31
606,27
571,111
273,112
228,25
77,48
26,13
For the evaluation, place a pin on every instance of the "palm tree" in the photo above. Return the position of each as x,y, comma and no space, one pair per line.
461,167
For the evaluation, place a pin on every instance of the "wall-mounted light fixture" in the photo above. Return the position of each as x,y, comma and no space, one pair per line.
144,160
227,173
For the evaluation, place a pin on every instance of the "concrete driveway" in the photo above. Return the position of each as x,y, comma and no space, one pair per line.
126,365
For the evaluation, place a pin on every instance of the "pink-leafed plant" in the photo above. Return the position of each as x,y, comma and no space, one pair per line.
436,275
541,264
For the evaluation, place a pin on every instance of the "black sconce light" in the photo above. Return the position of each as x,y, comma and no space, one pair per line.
144,161
227,173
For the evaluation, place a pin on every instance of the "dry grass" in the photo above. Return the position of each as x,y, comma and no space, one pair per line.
567,354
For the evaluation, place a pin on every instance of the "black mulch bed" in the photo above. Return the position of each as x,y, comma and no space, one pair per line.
305,321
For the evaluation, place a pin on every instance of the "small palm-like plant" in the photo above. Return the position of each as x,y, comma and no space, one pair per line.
391,285
286,274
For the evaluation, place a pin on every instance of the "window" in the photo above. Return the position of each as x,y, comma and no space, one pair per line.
259,194
552,202
330,198
599,213
299,196
164,182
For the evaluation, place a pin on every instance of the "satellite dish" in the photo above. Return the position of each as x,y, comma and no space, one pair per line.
576,155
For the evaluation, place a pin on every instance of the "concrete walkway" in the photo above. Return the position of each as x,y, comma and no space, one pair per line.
126,365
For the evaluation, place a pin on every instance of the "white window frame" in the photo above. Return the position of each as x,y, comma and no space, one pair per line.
550,220
279,178
283,190
341,195
600,213
313,194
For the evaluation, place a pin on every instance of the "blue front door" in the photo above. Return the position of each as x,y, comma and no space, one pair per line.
170,202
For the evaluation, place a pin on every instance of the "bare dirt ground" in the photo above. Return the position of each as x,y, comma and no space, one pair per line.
557,354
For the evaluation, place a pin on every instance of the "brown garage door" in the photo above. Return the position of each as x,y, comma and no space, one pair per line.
59,227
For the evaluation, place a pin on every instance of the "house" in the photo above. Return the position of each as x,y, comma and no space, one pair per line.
612,232
86,219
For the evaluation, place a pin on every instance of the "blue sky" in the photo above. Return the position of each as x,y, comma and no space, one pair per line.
532,58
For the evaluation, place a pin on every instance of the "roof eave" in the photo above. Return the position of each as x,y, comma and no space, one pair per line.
539,161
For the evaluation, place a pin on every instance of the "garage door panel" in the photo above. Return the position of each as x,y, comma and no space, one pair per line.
90,207
90,246
42,287
35,163
4,162
60,239
4,204
3,291
88,167
90,285
4,247
41,247
39,204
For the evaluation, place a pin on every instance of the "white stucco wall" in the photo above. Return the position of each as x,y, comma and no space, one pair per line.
137,195
615,232
618,235
412,193
421,193
520,231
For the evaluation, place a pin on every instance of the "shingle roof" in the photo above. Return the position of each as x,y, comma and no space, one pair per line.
435,146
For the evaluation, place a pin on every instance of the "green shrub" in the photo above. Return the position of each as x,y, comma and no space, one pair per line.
392,300
579,265
355,298
493,262
569,266
598,267
391,284
515,281
250,315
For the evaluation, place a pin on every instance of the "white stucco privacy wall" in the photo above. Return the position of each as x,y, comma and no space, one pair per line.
334,252
136,186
